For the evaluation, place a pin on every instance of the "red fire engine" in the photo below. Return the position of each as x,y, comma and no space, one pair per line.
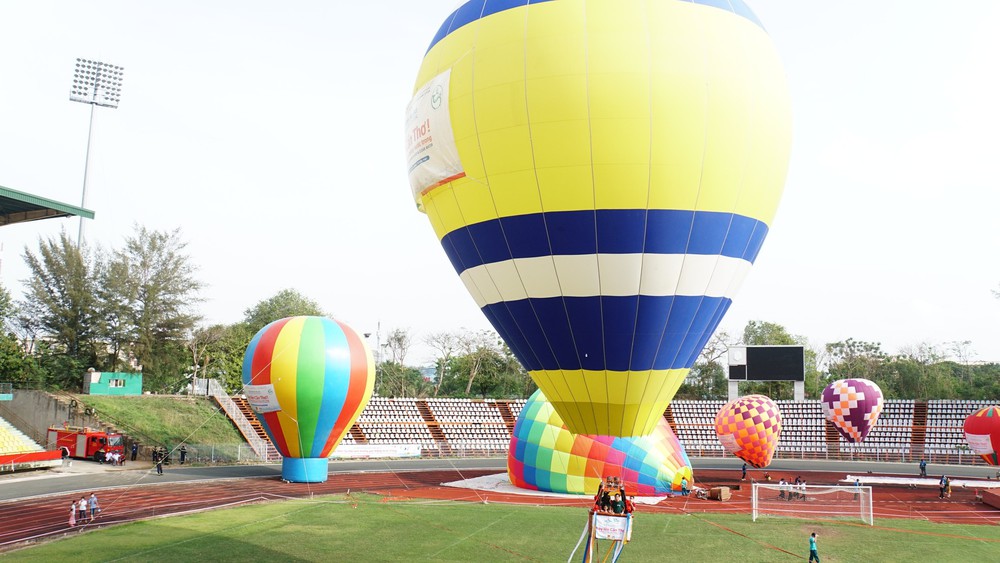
85,442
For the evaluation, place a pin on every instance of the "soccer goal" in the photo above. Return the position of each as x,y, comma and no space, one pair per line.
813,501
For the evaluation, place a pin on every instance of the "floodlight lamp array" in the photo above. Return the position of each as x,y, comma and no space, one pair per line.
97,83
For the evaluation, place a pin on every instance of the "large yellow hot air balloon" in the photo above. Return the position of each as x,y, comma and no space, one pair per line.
601,174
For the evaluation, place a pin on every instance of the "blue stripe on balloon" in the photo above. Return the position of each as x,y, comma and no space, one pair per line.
475,10
607,332
247,376
605,231
337,373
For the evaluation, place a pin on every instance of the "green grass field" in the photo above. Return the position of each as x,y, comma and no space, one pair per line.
168,420
363,528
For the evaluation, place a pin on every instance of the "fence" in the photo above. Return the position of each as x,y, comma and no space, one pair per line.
213,453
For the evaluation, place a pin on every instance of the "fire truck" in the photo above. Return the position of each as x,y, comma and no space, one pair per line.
85,442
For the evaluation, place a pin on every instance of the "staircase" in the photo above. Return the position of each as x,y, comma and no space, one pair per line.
669,415
434,427
918,441
261,446
507,415
358,434
832,439
244,407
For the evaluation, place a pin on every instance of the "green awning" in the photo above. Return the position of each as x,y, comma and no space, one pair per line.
18,207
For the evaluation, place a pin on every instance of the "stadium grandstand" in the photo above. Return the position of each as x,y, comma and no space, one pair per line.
907,430
19,207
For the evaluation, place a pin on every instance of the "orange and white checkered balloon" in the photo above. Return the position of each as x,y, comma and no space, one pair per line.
749,428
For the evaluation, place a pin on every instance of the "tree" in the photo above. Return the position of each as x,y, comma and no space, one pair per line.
762,333
445,344
285,303
398,343
159,291
477,347
200,344
60,304
223,357
15,366
855,358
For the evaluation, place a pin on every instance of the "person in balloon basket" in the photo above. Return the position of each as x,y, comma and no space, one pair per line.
618,504
813,551
598,496
630,505
605,501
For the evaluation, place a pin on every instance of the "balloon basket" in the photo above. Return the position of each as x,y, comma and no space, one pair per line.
305,470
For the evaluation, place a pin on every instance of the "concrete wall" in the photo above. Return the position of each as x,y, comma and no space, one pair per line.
32,412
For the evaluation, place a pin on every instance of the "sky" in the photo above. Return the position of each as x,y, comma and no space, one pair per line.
271,135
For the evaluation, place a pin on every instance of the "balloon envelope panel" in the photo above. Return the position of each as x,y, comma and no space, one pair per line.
982,432
853,406
322,375
601,174
544,455
749,428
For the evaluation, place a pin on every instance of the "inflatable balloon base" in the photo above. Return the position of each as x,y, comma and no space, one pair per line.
305,470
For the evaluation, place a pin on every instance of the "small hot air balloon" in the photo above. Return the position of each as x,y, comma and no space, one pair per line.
853,406
749,428
602,175
308,379
982,432
545,456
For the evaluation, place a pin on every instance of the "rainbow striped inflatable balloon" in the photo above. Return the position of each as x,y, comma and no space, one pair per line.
602,175
545,456
308,379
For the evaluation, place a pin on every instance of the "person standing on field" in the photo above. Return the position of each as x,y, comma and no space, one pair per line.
813,552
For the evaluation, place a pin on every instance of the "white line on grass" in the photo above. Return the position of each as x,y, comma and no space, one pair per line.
460,540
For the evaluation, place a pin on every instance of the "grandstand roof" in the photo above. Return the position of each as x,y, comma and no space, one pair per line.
19,207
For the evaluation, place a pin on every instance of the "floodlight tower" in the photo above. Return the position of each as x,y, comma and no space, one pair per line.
97,84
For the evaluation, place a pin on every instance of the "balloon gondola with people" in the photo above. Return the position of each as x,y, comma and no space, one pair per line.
610,519
308,379
602,175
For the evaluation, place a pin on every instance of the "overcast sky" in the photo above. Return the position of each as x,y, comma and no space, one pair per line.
271,134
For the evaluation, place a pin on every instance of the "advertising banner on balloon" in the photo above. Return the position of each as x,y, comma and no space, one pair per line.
608,527
262,398
431,154
979,443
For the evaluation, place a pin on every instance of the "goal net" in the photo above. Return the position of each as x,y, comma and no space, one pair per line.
808,501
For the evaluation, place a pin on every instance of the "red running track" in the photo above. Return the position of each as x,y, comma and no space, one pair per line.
40,518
